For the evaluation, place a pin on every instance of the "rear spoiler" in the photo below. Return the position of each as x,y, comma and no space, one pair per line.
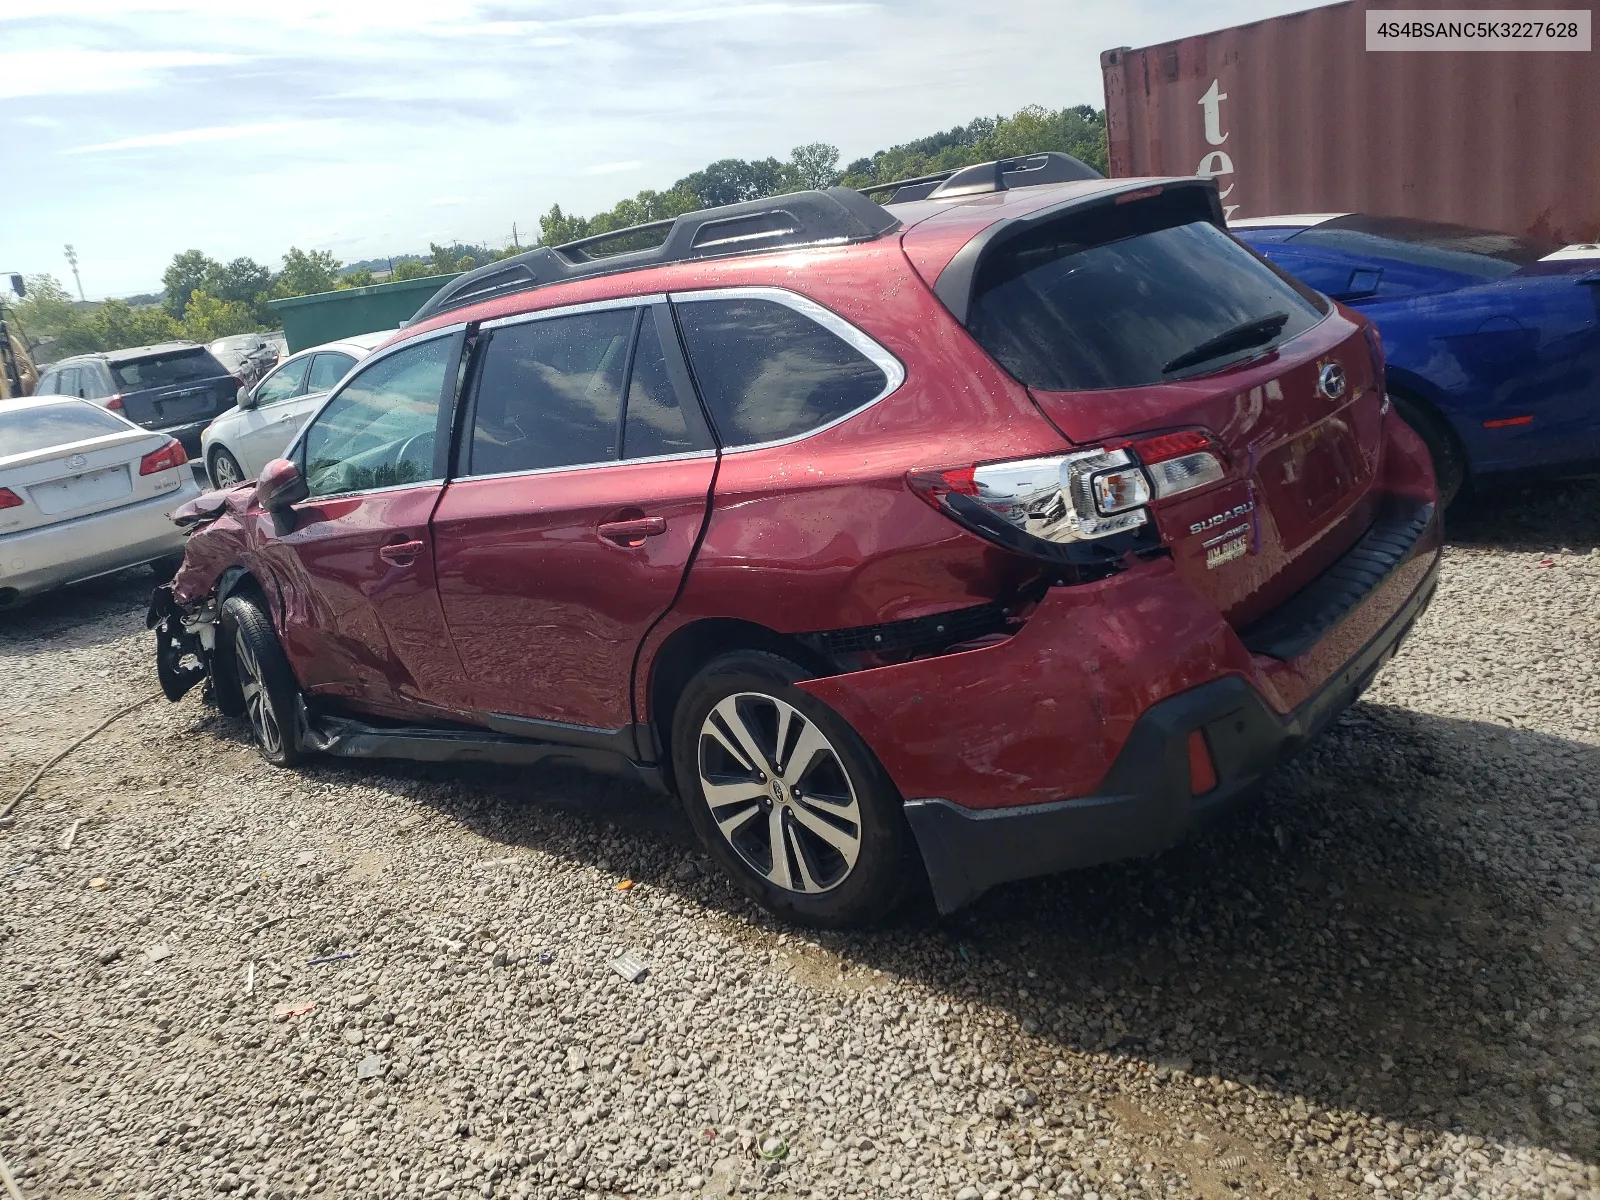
1186,199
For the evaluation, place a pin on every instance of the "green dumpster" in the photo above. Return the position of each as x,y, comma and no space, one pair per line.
328,316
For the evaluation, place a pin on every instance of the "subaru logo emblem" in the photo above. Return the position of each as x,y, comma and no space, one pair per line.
1330,380
77,462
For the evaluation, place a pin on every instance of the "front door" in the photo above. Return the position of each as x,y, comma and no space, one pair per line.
362,620
582,484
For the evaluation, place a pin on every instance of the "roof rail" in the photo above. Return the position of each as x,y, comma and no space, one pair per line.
833,215
1030,170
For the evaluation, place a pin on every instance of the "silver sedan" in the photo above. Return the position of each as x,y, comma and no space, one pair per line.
84,492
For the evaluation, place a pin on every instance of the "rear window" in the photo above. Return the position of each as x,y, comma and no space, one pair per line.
1128,296
24,430
768,372
166,370
1480,253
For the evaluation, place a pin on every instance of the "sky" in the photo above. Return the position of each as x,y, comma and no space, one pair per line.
135,129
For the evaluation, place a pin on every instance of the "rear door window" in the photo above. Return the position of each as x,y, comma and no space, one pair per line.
656,423
166,370
549,393
287,381
1128,296
327,370
24,430
69,382
768,372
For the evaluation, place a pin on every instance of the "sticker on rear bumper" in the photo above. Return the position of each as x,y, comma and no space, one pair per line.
1227,546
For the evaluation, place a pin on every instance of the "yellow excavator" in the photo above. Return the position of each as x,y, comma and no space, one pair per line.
18,375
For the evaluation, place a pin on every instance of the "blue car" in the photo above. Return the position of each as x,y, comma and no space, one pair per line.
1492,341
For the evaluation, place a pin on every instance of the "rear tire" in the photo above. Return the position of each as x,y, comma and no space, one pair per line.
1449,463
265,684
787,797
224,469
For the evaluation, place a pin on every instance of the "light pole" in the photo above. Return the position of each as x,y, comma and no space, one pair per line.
72,261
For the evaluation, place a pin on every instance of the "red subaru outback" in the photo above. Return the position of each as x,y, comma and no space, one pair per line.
1010,526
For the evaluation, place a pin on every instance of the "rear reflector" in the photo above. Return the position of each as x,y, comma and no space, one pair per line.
9,499
169,456
1202,774
1507,422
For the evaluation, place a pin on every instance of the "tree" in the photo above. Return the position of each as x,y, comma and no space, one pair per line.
208,317
190,270
1078,131
360,277
465,263
556,228
411,270
306,274
733,180
119,325
815,165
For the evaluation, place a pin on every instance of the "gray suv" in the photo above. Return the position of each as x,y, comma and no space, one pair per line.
175,387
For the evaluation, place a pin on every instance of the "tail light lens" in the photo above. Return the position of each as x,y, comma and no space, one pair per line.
114,403
1375,349
9,499
1039,505
169,456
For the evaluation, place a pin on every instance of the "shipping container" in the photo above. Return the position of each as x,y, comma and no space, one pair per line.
1295,115
328,316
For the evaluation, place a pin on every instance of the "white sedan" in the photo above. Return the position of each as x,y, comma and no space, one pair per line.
236,445
84,492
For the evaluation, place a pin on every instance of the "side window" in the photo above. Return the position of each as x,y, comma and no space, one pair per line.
67,385
768,372
283,383
655,423
47,384
327,370
380,430
89,382
550,393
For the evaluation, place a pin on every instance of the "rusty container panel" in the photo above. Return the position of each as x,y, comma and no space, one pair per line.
1295,115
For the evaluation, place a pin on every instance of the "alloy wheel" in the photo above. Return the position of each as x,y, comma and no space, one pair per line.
258,708
779,793
225,471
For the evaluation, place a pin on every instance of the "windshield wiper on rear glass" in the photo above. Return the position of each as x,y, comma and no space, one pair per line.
1240,337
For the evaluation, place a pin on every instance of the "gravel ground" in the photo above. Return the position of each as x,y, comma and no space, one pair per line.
1381,981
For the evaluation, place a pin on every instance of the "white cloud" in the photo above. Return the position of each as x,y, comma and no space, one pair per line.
444,202
185,137
70,71
613,167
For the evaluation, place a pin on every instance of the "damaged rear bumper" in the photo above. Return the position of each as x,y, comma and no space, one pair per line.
1145,803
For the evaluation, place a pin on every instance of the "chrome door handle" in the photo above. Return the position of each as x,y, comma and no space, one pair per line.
633,532
401,554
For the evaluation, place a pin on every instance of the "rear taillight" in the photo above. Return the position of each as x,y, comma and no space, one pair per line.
9,499
169,456
1375,349
115,403
1039,505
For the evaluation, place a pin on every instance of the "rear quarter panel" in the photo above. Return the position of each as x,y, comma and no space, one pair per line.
823,533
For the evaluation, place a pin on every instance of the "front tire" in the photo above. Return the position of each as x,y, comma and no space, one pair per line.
1449,463
786,796
265,684
224,469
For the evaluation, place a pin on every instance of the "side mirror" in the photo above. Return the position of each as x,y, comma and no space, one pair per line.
244,399
280,486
